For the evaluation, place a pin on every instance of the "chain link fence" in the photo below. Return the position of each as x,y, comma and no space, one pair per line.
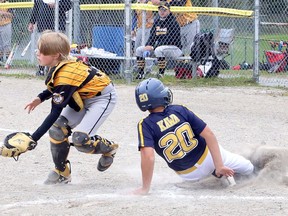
105,33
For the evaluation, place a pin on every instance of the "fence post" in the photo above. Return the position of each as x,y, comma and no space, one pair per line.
69,25
33,46
56,16
143,27
127,63
256,42
76,23
215,18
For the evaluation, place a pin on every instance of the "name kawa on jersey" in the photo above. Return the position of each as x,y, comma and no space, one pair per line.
168,122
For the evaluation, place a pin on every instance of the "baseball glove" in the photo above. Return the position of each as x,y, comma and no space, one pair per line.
16,144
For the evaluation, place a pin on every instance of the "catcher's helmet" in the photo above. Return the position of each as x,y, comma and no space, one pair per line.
151,93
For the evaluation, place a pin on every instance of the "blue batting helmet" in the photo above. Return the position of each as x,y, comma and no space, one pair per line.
151,93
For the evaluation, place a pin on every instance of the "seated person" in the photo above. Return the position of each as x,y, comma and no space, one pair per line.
164,41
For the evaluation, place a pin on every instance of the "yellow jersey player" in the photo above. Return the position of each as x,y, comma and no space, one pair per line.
82,98
6,17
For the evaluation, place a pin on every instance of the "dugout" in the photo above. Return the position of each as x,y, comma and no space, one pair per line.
103,29
111,39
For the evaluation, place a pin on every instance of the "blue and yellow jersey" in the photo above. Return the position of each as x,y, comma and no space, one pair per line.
175,136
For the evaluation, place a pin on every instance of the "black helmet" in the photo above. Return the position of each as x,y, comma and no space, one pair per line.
151,93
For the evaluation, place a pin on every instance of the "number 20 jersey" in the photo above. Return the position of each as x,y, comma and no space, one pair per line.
175,136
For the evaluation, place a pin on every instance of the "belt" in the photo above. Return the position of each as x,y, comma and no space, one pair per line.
199,162
106,90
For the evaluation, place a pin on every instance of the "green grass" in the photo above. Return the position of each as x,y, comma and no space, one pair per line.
22,63
198,82
170,80
274,37
248,73
242,48
210,82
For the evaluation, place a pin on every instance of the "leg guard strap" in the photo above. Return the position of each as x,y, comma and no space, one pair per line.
90,145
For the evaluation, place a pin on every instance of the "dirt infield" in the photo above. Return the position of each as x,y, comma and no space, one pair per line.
242,119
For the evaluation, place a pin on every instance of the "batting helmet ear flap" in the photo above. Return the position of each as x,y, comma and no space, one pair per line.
169,96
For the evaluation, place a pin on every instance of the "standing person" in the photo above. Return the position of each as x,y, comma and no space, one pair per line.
82,98
188,22
43,16
164,41
137,30
181,138
6,17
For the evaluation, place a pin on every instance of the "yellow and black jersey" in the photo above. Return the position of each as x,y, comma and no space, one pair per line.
73,74
7,15
149,17
183,18
165,32
69,83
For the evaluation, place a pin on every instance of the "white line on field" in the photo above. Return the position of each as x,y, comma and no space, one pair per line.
169,194
122,197
6,130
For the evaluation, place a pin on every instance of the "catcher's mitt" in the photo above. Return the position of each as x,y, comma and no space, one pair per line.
16,144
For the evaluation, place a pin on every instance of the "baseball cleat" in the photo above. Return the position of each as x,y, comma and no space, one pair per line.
55,178
58,177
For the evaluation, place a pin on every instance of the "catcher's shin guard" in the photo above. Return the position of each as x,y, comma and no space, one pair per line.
91,145
106,159
60,146
96,145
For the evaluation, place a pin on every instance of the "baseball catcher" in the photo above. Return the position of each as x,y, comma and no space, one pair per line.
81,97
16,144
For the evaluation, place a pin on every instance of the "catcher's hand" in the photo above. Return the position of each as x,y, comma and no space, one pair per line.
16,144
